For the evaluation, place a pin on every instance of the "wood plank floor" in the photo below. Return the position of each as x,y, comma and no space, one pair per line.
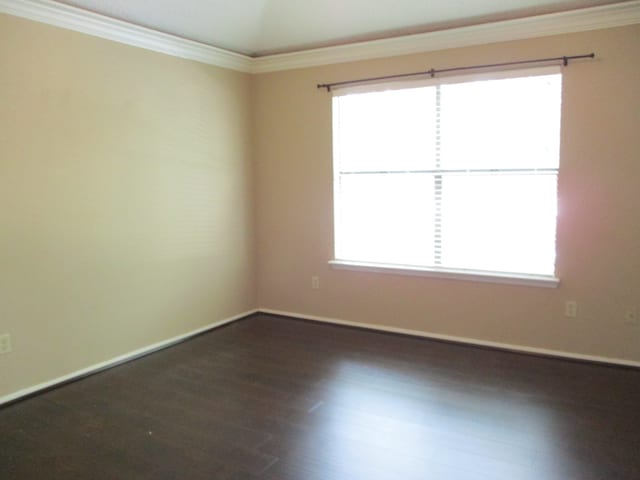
280,399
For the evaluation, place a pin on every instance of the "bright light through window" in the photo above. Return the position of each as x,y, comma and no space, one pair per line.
456,175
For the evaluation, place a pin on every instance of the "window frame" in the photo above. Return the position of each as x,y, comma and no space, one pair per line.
430,271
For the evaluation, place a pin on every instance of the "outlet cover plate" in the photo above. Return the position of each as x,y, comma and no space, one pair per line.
5,343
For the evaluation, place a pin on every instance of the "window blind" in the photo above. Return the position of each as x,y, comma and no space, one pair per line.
457,173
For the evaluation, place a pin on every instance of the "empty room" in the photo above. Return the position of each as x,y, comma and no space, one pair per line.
330,240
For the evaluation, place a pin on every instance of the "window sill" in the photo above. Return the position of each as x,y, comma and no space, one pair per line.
544,281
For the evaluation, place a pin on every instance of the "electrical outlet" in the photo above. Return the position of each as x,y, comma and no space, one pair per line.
571,309
5,343
315,282
631,317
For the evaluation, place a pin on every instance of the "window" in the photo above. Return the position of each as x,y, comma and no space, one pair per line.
458,175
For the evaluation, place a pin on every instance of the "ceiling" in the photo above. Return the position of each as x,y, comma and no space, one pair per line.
262,27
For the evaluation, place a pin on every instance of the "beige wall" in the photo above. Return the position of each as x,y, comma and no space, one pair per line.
598,233
125,204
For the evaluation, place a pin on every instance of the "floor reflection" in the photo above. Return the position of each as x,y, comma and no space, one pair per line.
377,422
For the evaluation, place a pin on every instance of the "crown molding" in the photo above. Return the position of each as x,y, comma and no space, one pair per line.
73,18
79,20
593,18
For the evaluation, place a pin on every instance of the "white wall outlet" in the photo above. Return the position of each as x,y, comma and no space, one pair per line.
571,309
315,282
631,317
5,343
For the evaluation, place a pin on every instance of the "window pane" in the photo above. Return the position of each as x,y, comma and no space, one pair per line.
501,223
385,218
389,131
508,123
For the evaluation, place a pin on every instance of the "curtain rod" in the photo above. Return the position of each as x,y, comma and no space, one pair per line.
434,72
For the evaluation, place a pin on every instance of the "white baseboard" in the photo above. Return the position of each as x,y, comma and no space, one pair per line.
383,328
464,340
120,359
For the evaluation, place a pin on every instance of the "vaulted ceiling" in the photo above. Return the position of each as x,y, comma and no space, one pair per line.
261,27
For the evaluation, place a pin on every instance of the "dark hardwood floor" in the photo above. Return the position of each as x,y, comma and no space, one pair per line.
281,399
